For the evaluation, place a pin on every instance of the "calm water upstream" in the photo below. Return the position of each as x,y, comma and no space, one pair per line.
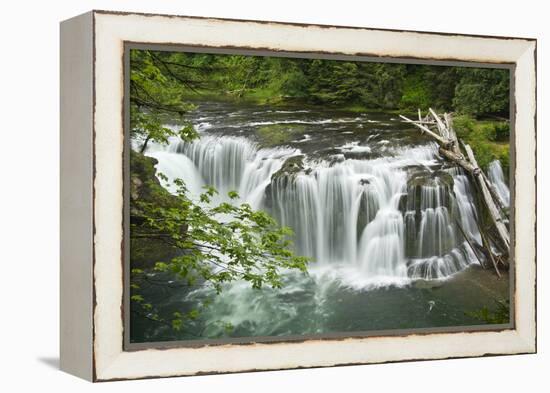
369,200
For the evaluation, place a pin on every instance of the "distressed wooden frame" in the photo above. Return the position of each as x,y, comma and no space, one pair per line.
92,189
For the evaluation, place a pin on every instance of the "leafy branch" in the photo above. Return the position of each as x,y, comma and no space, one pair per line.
217,243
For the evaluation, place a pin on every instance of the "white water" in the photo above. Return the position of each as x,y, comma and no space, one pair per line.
226,163
437,248
329,210
364,221
496,176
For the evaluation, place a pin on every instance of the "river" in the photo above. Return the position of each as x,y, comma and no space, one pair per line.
370,202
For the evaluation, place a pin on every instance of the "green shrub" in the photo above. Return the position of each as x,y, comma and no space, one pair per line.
502,132
416,94
463,125
487,139
500,314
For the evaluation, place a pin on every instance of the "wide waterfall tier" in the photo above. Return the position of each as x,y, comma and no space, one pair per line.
391,217
346,212
231,164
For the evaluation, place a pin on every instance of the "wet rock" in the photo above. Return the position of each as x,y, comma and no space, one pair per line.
291,167
431,179
283,177
145,187
428,284
367,211
336,158
426,189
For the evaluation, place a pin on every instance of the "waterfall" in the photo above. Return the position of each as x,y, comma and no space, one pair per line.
330,208
464,195
389,218
226,163
178,166
220,164
435,202
496,177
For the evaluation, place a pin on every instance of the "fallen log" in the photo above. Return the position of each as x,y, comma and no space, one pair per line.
460,160
495,194
494,212
452,134
442,141
487,246
442,129
470,243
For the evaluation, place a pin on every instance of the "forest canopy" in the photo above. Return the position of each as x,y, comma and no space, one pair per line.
479,92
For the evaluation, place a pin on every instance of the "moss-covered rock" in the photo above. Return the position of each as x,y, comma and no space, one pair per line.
145,187
282,178
438,184
290,168
272,135
431,179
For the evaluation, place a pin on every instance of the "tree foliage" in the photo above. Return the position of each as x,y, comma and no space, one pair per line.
156,95
244,244
473,91
482,91
196,243
219,243
468,90
488,139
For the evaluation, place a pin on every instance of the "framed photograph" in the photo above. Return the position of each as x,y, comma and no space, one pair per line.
245,195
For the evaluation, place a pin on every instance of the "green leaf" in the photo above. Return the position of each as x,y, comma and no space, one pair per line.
177,324
136,298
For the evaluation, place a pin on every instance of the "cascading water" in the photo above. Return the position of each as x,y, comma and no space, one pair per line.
496,177
346,213
434,204
388,218
465,202
235,164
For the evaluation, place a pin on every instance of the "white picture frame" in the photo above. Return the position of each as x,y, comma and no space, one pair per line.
92,194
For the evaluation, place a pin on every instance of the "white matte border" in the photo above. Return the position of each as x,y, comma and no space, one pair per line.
112,30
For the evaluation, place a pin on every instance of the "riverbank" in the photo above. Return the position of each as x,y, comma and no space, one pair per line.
267,98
